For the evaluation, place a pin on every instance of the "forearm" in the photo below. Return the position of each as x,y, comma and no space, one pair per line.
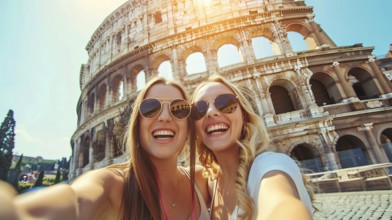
55,202
292,209
7,194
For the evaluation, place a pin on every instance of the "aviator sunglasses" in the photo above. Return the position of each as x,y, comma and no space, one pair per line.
225,103
151,107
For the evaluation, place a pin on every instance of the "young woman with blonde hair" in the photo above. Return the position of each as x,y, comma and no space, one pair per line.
149,185
247,180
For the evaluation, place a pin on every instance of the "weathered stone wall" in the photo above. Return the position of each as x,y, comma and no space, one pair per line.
319,103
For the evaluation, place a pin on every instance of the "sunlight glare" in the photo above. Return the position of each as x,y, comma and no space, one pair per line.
206,2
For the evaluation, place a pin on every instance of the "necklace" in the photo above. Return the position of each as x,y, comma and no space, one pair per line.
174,203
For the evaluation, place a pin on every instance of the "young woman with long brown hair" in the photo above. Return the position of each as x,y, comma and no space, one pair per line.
150,185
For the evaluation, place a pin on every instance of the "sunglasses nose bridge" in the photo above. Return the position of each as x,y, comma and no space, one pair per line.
165,112
211,108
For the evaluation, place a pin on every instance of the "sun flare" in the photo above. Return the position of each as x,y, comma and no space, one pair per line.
206,2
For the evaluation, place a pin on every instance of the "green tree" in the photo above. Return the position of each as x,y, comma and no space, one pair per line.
13,177
57,179
40,179
7,143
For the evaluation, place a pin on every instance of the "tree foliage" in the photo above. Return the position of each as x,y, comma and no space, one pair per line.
57,179
7,143
40,179
13,176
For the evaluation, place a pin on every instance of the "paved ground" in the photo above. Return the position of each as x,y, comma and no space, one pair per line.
369,205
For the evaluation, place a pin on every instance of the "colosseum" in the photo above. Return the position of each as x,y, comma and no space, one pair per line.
327,106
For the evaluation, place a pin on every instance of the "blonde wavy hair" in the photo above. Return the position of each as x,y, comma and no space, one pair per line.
253,141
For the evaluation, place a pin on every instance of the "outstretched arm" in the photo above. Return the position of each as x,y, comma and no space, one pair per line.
278,199
89,196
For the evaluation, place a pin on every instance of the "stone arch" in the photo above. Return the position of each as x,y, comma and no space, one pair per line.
363,83
134,70
133,74
156,62
262,47
284,96
117,84
99,146
385,140
186,51
305,32
189,60
140,80
308,157
263,31
324,88
351,151
226,39
165,70
228,54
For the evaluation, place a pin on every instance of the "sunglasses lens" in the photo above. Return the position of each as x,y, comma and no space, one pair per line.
199,109
226,103
180,109
150,108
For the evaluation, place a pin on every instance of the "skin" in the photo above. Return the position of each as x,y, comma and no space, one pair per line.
277,190
163,153
97,194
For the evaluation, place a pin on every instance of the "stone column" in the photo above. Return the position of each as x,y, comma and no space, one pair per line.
327,143
150,73
380,77
212,61
93,142
304,89
374,148
107,94
247,51
321,36
109,145
76,151
265,109
347,88
178,66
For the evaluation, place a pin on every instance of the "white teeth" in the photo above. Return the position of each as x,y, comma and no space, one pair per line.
217,127
163,132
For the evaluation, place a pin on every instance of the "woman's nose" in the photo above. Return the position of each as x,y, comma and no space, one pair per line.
165,113
212,110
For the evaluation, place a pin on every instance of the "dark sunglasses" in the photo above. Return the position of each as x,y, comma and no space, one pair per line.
178,108
226,103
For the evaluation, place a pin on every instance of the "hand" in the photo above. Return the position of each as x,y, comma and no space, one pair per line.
7,195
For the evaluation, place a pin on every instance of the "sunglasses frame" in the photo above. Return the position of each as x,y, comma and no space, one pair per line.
208,101
162,101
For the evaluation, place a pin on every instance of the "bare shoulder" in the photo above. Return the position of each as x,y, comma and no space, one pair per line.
280,182
103,176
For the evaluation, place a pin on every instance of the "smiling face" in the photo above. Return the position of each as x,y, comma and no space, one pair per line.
218,131
163,136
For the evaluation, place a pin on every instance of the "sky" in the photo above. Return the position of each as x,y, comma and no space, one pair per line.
42,46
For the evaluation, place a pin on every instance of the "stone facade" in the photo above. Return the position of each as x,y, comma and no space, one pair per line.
327,106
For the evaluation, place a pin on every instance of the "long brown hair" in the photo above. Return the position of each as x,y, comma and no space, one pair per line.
253,141
140,199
